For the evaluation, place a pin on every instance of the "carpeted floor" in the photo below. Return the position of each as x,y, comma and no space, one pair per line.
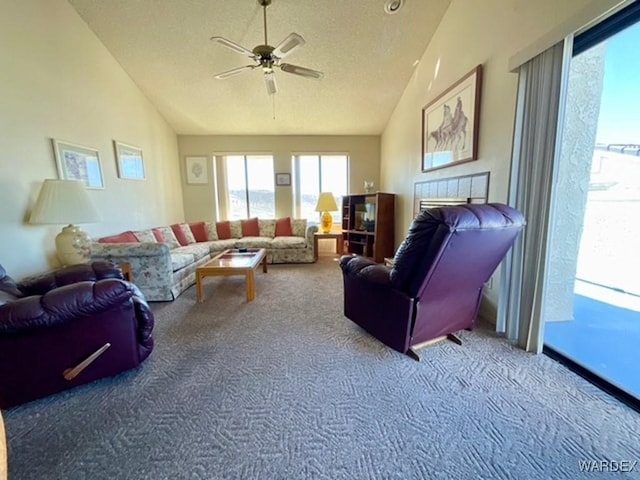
286,388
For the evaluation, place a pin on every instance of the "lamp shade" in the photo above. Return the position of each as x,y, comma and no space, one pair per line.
63,201
66,201
326,203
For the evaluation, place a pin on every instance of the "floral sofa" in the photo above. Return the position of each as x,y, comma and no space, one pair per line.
163,260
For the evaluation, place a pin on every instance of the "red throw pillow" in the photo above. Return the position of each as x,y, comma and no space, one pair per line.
283,227
199,230
124,237
177,231
224,230
158,234
250,227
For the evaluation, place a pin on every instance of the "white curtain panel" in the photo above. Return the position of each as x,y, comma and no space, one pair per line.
532,172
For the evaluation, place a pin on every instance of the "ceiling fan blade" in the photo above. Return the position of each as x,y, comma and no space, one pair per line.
288,45
302,71
233,46
270,82
235,71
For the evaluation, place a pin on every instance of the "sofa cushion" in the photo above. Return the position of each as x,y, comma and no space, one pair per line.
183,233
299,227
223,230
181,260
199,231
236,228
283,227
250,227
168,237
145,236
124,237
217,246
267,227
198,250
288,242
212,231
253,242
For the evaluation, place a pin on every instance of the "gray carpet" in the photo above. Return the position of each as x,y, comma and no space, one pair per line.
285,387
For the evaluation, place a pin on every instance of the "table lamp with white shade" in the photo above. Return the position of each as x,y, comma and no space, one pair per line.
66,202
326,203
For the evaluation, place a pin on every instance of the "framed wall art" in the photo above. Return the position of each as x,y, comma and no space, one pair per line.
450,124
283,179
76,162
197,172
129,160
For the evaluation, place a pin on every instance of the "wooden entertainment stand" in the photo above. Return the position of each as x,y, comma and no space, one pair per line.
368,224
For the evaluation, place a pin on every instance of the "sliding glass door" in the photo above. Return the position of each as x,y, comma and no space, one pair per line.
592,300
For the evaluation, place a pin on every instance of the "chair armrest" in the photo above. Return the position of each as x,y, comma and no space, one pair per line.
62,304
43,283
365,269
144,317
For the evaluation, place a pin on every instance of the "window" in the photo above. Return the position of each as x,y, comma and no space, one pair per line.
315,174
250,191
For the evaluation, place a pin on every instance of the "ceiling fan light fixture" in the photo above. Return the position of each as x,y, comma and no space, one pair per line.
270,82
393,6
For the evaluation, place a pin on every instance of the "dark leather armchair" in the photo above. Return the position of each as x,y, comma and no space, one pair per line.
67,328
435,285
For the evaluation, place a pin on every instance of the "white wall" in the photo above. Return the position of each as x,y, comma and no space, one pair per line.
364,154
58,81
487,32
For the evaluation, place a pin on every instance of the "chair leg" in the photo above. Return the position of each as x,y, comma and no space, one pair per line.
454,338
412,354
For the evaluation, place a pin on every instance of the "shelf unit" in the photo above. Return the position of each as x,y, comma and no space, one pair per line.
368,224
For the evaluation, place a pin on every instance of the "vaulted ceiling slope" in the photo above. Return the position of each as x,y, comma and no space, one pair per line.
367,57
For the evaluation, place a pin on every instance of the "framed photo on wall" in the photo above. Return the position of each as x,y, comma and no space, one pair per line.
197,172
450,124
283,179
76,162
129,160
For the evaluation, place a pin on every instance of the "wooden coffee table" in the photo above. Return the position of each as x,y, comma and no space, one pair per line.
233,262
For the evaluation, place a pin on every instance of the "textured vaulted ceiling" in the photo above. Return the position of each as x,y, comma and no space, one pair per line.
367,57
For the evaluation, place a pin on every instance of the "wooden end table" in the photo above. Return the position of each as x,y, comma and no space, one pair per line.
233,262
337,236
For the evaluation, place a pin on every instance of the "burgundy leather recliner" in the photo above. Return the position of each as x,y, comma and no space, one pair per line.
435,285
67,328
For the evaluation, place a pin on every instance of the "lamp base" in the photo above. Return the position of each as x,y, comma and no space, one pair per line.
73,246
326,222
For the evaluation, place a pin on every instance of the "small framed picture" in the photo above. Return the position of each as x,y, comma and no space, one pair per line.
197,172
76,162
283,179
129,159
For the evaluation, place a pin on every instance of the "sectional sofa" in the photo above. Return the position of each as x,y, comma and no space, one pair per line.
163,260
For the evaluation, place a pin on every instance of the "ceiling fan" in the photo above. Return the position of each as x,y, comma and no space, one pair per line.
268,57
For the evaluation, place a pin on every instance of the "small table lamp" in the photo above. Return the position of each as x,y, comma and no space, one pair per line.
66,201
326,203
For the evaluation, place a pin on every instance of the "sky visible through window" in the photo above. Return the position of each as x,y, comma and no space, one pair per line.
619,121
321,173
259,180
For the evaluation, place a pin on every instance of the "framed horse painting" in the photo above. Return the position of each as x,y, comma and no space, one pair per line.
450,124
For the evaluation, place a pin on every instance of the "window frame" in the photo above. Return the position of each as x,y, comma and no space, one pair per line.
223,204
297,193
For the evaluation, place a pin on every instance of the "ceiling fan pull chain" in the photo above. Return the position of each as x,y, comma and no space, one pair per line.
273,97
